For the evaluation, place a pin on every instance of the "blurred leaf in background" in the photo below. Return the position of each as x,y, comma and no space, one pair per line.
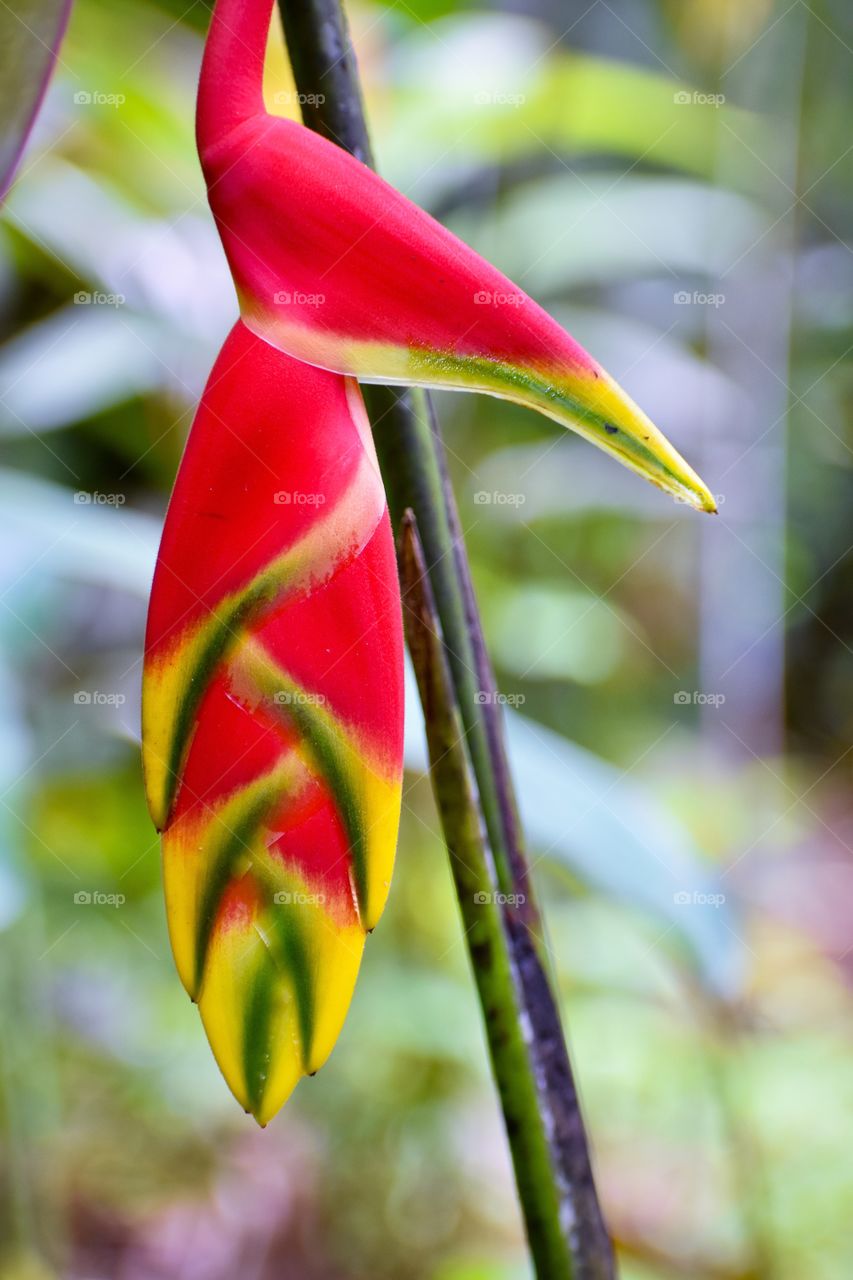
673,182
30,37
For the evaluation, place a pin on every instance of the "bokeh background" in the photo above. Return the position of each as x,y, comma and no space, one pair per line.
672,179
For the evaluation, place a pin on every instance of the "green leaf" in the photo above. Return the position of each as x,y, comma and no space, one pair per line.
507,89
597,229
30,34
581,813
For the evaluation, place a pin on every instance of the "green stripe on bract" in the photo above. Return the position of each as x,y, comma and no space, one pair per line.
381,362
286,957
238,823
217,631
290,950
257,1049
215,635
498,375
287,963
614,430
622,429
327,742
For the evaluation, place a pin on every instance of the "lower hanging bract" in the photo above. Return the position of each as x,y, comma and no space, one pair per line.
273,712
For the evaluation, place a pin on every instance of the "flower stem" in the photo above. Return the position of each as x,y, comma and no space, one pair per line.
483,914
479,815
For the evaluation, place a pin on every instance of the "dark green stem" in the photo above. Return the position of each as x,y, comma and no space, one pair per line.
559,1192
484,915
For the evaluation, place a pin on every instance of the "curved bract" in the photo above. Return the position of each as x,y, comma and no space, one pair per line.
273,711
273,684
334,266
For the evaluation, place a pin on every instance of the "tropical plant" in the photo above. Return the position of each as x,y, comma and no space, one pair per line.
603,193
272,756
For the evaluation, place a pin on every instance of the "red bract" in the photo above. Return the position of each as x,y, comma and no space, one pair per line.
273,711
334,266
273,705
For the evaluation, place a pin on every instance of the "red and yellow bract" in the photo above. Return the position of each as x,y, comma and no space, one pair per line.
273,711
336,267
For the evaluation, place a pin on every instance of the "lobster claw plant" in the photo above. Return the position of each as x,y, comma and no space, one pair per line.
272,706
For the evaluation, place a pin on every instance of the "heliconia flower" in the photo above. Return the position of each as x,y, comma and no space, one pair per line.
335,267
273,712
30,37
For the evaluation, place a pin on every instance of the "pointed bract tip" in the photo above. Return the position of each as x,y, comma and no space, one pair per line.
697,495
